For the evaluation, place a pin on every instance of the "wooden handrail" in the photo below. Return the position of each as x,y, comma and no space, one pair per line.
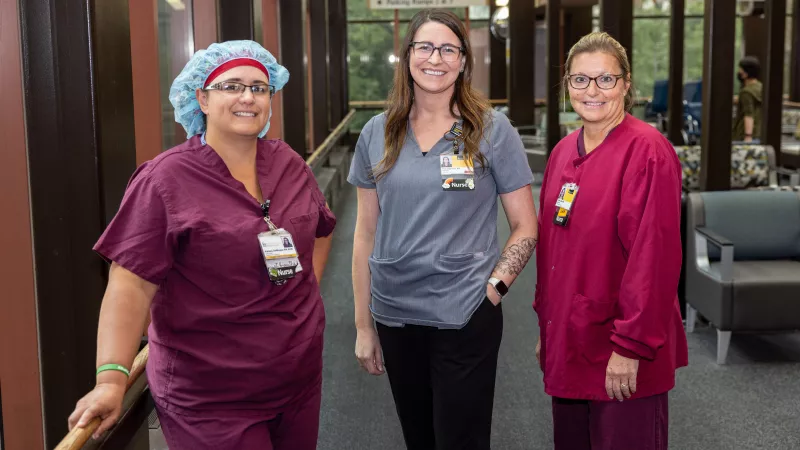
77,437
329,141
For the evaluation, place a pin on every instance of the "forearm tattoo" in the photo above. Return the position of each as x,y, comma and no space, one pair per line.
516,256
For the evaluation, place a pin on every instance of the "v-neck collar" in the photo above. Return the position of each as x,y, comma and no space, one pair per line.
264,154
580,159
418,152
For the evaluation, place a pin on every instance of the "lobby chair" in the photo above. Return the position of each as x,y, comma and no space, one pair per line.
743,262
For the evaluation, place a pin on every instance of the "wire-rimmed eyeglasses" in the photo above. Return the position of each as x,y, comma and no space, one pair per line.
230,87
606,81
448,53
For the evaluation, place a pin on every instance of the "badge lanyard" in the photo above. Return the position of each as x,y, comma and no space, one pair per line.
279,251
456,170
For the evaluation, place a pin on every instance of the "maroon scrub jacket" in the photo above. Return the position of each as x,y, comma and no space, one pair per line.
608,280
223,337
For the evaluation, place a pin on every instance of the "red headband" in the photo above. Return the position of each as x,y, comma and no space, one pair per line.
235,63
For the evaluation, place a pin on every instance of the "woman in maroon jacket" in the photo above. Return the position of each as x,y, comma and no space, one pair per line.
608,264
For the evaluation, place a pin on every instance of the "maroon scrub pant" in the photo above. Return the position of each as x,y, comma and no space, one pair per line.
294,428
640,424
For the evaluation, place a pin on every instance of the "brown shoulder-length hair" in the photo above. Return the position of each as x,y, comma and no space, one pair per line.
472,106
604,43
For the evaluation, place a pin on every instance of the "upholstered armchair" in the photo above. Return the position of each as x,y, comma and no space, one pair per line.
743,262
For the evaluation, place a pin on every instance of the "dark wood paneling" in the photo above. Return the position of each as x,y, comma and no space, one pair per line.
497,65
754,35
337,63
577,24
21,402
553,16
773,75
292,50
236,20
719,31
521,29
114,115
318,16
67,212
616,18
794,90
675,100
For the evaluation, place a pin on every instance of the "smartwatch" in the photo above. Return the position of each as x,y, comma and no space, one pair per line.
499,286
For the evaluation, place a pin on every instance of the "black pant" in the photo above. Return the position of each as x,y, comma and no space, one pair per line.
443,380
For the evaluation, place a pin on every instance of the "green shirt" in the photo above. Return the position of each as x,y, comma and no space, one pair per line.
750,99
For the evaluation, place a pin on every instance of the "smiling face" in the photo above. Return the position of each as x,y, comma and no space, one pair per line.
593,104
433,74
242,114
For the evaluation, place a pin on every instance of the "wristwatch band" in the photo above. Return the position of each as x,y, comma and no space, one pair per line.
499,286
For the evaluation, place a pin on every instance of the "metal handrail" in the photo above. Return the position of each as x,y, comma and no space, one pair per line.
319,155
77,437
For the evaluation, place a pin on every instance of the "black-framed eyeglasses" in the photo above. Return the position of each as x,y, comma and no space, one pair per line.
230,87
605,82
448,53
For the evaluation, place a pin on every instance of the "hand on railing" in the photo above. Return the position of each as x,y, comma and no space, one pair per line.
100,409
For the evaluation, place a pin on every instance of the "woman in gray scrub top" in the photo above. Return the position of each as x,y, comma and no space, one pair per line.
428,275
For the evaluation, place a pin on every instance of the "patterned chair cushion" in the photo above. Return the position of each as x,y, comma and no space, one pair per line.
750,166
790,121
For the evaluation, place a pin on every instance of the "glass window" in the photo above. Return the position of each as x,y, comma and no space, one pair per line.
360,10
371,60
175,47
651,8
650,54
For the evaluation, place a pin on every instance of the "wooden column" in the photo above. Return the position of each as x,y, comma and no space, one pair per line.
204,23
145,76
20,374
718,67
236,20
794,86
577,24
292,50
337,62
497,64
616,18
553,17
521,39
78,95
754,35
675,100
773,75
318,61
270,27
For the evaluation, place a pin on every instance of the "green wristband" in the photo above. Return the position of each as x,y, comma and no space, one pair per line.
116,367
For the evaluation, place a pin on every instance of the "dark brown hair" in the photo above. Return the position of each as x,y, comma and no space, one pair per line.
472,106
601,42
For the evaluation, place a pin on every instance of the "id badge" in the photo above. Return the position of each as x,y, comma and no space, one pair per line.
280,255
566,198
457,173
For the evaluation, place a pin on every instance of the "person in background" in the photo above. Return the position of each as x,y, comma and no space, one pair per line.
608,264
747,123
237,321
426,262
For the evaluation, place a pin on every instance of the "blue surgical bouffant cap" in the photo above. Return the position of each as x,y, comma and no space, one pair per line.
197,71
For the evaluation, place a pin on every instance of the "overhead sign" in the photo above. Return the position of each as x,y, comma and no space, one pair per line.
408,4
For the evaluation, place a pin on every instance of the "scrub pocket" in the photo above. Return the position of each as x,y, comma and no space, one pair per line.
590,329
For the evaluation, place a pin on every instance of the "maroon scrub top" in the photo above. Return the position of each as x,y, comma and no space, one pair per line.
223,337
608,280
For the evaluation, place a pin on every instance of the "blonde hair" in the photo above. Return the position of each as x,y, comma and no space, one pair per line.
472,106
601,42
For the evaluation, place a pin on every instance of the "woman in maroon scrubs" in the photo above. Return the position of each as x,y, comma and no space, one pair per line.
235,348
608,264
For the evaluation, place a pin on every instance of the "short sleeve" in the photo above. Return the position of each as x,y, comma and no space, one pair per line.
509,164
748,103
141,236
327,221
361,174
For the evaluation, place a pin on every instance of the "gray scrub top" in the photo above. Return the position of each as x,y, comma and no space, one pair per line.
435,249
